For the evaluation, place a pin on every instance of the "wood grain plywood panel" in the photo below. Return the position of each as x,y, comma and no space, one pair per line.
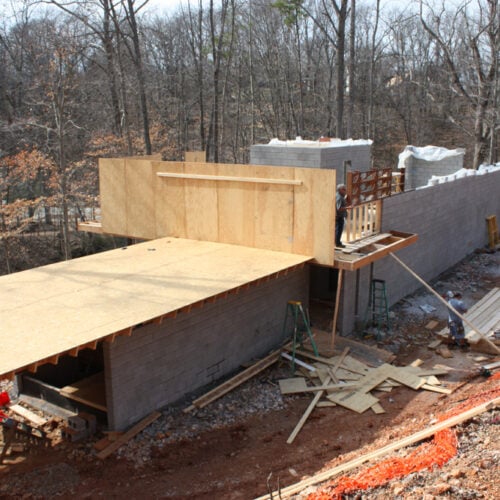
201,203
274,210
113,195
170,202
314,214
140,213
236,206
96,296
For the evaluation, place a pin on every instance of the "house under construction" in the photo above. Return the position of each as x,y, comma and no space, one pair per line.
223,249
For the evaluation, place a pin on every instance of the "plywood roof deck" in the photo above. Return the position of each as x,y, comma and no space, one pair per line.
65,307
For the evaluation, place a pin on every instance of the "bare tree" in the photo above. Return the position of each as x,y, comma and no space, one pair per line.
470,45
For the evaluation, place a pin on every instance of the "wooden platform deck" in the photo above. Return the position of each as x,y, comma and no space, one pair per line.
65,307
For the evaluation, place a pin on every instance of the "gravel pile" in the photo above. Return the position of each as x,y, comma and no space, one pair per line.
258,395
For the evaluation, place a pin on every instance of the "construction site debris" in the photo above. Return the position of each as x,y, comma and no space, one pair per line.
444,424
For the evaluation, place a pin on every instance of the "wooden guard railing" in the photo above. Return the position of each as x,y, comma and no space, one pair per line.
366,191
363,220
368,186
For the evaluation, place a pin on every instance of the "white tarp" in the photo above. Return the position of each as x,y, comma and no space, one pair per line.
323,143
427,153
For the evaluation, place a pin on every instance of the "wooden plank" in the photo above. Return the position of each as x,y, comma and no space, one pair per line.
200,197
314,214
432,380
127,436
372,356
274,211
404,377
291,388
434,388
113,197
170,203
195,156
325,404
292,385
140,200
90,391
28,415
434,344
355,401
397,242
234,382
230,178
393,446
235,202
306,414
378,409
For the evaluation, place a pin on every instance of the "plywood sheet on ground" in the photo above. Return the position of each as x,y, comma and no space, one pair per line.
54,309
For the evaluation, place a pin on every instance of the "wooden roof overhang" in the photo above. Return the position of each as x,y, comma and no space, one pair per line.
62,308
371,249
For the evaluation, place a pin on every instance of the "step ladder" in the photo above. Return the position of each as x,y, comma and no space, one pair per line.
297,317
377,313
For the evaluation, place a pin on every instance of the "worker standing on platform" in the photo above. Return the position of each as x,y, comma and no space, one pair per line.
341,214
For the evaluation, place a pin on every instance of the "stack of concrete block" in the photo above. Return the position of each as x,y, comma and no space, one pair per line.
80,427
421,164
330,154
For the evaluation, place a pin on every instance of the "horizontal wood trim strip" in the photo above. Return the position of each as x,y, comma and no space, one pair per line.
253,180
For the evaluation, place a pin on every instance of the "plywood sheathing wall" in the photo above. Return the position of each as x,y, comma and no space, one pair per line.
295,218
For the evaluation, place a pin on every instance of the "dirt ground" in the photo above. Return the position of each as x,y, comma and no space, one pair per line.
231,453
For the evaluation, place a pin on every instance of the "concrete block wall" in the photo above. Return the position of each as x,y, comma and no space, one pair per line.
159,364
419,171
311,156
450,222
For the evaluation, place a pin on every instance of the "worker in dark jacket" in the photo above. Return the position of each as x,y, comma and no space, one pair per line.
341,214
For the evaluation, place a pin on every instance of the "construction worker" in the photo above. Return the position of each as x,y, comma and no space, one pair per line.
455,323
342,207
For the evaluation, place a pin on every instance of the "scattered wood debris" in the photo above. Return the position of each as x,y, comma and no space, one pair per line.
345,381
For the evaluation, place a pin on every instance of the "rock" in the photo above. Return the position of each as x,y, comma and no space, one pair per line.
441,488
456,473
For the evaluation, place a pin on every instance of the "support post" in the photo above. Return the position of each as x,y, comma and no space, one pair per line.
336,310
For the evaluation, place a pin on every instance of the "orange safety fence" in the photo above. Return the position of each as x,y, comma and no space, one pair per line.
435,453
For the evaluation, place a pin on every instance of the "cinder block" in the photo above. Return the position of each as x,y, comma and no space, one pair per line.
77,423
90,421
73,435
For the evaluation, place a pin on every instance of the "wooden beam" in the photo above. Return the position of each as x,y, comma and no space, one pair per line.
53,360
309,409
237,380
407,441
253,180
336,309
128,435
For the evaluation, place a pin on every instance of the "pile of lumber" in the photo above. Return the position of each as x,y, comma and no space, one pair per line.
345,381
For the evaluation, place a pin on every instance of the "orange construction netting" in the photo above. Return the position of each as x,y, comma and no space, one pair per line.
434,453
